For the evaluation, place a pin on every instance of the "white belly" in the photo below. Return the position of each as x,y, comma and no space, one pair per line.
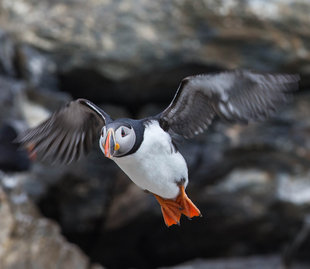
155,166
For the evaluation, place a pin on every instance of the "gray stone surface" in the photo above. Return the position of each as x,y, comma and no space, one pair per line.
147,47
29,241
122,37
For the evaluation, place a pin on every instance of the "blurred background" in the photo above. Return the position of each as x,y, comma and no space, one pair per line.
251,183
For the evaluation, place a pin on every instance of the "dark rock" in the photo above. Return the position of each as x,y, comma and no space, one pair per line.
10,90
253,262
24,62
7,55
11,157
156,86
80,194
36,67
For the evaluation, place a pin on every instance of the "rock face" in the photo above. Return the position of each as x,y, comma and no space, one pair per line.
29,241
250,182
133,42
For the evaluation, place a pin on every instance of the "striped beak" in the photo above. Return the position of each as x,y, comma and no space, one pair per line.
110,145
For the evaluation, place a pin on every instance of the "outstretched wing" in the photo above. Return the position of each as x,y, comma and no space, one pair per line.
236,96
67,134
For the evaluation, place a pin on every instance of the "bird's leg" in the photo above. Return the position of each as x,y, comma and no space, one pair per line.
170,209
189,209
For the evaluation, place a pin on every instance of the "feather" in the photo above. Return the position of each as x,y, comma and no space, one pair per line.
68,133
236,96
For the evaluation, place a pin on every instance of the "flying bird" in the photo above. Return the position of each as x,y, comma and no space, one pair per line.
145,148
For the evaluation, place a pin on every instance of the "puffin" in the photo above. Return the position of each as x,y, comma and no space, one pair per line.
145,149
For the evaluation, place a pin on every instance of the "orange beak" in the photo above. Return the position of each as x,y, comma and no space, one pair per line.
110,145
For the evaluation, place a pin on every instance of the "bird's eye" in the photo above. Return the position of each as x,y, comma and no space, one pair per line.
123,133
102,132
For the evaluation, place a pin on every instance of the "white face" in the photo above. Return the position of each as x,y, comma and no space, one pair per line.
116,143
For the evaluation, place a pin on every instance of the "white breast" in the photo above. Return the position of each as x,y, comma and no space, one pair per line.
155,166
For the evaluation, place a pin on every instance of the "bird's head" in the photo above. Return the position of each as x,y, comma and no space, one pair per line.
117,139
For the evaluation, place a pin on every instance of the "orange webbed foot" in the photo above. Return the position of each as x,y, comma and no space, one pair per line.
173,209
170,209
189,209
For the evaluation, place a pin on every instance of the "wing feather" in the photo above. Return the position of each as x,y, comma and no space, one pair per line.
68,134
236,96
